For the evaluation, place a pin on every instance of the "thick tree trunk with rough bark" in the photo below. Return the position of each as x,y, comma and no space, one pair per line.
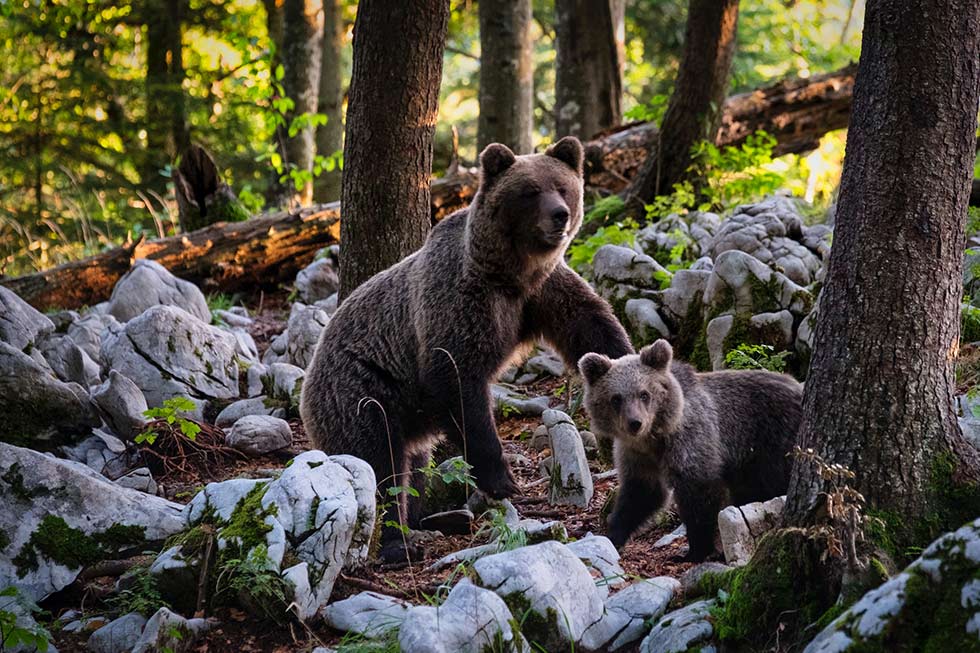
302,36
506,75
166,118
203,198
879,396
330,137
588,67
694,111
391,119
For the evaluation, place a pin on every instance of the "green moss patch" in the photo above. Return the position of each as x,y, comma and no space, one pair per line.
247,523
56,540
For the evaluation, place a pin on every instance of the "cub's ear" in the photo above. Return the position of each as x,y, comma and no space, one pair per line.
494,159
658,355
569,150
593,367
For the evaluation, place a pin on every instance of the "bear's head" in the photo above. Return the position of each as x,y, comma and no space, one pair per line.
527,209
634,397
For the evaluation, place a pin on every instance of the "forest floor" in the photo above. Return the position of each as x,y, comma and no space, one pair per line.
235,631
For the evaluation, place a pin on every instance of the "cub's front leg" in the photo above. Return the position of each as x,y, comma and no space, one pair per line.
641,493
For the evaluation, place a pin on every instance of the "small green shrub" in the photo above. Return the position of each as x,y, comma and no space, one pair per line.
756,357
169,413
12,635
253,581
141,596
969,324
580,254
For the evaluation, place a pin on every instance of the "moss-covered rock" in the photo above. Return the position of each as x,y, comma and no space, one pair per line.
933,606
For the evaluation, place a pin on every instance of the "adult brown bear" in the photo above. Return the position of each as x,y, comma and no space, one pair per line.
410,355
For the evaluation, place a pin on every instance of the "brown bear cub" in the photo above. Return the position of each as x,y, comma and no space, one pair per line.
711,437
410,355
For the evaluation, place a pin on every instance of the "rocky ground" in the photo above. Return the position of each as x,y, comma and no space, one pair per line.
159,493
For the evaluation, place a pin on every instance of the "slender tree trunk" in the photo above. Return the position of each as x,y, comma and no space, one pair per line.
879,396
506,75
588,67
330,137
302,37
694,111
167,135
388,144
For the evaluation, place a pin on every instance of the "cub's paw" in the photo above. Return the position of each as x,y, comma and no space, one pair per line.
498,483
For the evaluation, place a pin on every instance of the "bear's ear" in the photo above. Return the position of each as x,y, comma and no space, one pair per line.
658,355
569,150
593,367
495,158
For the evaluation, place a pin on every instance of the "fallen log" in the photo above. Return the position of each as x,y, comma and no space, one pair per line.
797,112
271,249
226,257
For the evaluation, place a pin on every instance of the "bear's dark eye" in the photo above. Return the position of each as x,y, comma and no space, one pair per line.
645,397
617,401
529,193
562,191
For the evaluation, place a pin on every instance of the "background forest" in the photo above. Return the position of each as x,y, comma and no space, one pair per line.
98,99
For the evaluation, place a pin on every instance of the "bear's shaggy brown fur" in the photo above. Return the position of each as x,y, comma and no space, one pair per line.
714,437
410,355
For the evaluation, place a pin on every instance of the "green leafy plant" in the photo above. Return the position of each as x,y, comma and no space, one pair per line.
580,254
141,595
653,111
756,357
730,176
604,209
169,413
253,581
219,301
13,635
969,323
456,471
500,532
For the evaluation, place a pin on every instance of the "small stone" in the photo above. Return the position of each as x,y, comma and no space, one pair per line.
367,613
257,435
680,630
628,612
20,323
740,527
509,403
149,284
471,620
170,632
139,479
691,579
317,281
644,321
121,404
118,636
571,479
450,522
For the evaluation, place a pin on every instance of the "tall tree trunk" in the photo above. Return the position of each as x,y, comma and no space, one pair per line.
167,135
390,124
694,111
330,137
302,37
879,396
588,67
506,75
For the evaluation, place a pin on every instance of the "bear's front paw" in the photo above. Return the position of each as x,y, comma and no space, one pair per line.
498,483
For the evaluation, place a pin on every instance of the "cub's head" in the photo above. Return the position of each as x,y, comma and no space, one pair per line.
531,204
634,397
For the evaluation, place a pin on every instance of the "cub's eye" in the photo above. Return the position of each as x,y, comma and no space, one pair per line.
529,193
645,397
617,401
562,190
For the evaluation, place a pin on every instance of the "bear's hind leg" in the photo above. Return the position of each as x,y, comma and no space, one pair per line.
699,505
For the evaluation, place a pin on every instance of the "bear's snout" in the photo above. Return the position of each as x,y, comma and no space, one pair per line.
554,216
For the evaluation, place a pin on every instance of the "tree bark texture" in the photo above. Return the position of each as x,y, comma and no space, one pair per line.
166,118
694,111
203,198
879,397
506,75
391,117
588,67
330,137
302,39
